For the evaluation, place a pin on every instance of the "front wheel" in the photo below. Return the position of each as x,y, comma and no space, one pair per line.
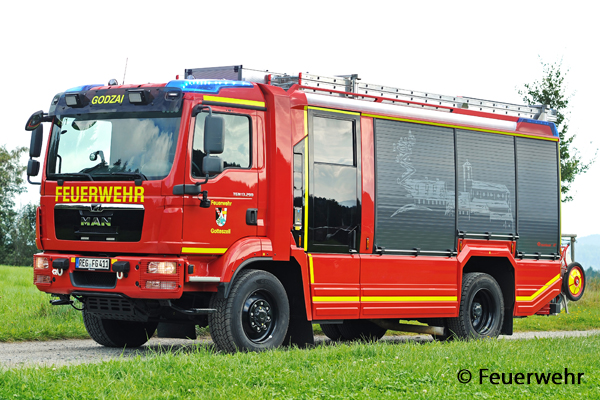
254,317
116,333
481,309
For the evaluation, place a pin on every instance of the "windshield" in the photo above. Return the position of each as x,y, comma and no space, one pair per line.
113,146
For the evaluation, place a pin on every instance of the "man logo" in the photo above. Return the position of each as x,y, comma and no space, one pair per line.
221,216
96,221
96,207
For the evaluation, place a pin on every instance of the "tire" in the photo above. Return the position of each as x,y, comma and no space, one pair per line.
115,333
481,309
361,330
574,281
255,316
332,331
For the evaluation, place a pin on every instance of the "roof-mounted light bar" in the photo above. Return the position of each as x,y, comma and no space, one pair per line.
207,85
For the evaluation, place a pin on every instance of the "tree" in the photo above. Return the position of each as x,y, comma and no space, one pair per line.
550,90
11,184
21,240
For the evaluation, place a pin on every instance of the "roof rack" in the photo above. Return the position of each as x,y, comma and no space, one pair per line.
349,86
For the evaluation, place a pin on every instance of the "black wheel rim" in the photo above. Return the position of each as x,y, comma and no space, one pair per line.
259,316
483,312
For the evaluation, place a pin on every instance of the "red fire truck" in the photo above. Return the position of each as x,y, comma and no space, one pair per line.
259,204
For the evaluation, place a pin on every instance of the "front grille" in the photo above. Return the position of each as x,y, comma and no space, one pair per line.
105,222
94,279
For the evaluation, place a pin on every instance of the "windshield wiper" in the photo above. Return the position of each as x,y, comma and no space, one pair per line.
130,174
73,174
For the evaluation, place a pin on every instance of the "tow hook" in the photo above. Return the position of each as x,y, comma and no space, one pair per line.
62,300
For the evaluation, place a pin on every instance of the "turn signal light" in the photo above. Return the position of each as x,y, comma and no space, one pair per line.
41,262
42,279
161,285
162,267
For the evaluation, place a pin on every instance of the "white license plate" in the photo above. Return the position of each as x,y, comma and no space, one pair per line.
92,263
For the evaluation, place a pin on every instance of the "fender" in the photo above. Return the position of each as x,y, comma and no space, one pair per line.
240,252
484,248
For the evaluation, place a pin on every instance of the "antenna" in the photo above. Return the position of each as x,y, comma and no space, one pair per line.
124,73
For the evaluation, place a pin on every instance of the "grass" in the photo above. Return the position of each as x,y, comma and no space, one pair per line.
345,371
26,314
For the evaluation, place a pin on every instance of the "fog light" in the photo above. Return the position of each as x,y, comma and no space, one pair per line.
41,262
161,285
162,267
42,279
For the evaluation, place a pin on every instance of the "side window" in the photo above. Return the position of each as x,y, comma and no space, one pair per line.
334,141
237,143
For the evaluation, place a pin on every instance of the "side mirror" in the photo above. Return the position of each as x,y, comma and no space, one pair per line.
212,165
35,146
214,134
33,168
34,121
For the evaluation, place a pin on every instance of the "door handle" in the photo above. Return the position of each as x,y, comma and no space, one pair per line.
186,189
252,216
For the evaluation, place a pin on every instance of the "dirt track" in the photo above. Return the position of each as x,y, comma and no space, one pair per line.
65,352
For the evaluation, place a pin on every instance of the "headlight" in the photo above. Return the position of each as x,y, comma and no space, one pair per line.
162,267
41,262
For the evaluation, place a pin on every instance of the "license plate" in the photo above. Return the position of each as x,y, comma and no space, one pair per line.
92,263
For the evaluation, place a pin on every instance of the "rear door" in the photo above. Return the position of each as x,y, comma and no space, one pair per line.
334,213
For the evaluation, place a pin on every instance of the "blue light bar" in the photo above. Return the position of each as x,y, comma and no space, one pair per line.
82,88
207,85
536,121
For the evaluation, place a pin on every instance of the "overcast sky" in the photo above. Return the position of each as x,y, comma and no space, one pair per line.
478,49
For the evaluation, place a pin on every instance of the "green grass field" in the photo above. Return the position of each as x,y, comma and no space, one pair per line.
385,370
26,314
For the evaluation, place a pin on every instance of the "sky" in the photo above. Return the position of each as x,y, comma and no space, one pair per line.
485,50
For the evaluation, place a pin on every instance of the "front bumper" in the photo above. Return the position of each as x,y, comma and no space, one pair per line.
62,277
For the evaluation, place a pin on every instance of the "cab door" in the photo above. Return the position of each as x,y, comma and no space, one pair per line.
334,213
233,194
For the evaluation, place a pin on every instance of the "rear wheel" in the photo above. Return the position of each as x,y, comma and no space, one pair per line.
332,331
574,282
116,333
361,330
481,309
254,317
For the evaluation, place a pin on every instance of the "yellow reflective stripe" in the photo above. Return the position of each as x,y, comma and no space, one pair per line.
230,100
536,294
459,127
203,250
306,181
320,299
408,298
331,110
310,268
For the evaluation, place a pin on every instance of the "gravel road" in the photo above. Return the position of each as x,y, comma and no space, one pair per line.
68,352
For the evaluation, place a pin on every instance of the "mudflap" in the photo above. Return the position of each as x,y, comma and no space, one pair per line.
300,332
